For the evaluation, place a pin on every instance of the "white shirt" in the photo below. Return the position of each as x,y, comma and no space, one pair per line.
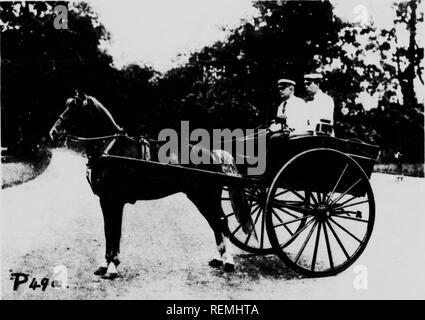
294,110
321,107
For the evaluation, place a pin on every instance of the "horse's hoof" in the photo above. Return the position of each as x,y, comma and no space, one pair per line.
215,263
100,271
229,267
110,275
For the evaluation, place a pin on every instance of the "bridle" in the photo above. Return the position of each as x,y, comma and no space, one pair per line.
62,119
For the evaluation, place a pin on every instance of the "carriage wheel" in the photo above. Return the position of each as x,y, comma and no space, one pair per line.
322,230
257,199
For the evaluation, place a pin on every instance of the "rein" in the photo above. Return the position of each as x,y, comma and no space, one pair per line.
99,138
84,139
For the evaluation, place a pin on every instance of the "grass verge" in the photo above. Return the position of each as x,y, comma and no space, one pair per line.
409,169
17,170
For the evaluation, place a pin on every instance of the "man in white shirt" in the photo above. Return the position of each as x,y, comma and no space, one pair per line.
320,108
291,119
292,110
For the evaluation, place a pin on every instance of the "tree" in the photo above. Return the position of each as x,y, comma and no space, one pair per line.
382,68
409,16
41,66
235,80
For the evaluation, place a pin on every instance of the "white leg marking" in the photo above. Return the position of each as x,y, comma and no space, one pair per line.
228,252
221,248
111,268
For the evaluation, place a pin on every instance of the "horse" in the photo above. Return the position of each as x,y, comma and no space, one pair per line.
86,117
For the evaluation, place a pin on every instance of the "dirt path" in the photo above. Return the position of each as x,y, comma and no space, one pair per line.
56,220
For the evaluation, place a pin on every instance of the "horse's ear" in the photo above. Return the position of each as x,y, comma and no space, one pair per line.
80,96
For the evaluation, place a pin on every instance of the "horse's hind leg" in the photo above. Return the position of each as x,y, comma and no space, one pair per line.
209,205
112,210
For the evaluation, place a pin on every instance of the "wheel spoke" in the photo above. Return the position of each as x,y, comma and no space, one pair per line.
254,210
351,198
230,214
338,240
291,202
252,231
350,205
282,223
287,212
311,194
296,234
316,246
236,230
345,192
325,231
291,221
350,218
256,206
294,208
336,184
281,193
332,220
262,231
319,197
305,242
239,226
294,192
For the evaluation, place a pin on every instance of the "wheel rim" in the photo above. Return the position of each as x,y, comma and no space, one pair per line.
257,201
320,232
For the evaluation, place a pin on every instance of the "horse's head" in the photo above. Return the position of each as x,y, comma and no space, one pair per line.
68,121
83,116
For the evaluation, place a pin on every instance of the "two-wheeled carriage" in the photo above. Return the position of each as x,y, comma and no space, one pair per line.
313,206
316,212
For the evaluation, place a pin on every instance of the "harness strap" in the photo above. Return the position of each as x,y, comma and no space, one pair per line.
84,139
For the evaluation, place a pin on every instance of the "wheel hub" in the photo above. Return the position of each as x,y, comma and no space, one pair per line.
323,212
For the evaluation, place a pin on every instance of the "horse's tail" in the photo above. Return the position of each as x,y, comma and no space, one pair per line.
237,194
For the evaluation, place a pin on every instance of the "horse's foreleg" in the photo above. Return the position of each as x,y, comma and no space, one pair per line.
112,210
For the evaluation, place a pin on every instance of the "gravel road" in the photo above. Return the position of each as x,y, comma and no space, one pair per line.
56,220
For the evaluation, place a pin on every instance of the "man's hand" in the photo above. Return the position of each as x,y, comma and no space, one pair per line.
275,127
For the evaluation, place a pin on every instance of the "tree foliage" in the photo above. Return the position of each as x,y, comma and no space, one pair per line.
229,84
41,66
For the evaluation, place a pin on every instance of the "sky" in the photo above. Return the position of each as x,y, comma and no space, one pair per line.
155,32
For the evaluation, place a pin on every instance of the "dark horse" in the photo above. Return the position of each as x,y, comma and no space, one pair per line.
117,185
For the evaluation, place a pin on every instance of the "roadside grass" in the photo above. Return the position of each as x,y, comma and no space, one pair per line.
408,169
15,171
